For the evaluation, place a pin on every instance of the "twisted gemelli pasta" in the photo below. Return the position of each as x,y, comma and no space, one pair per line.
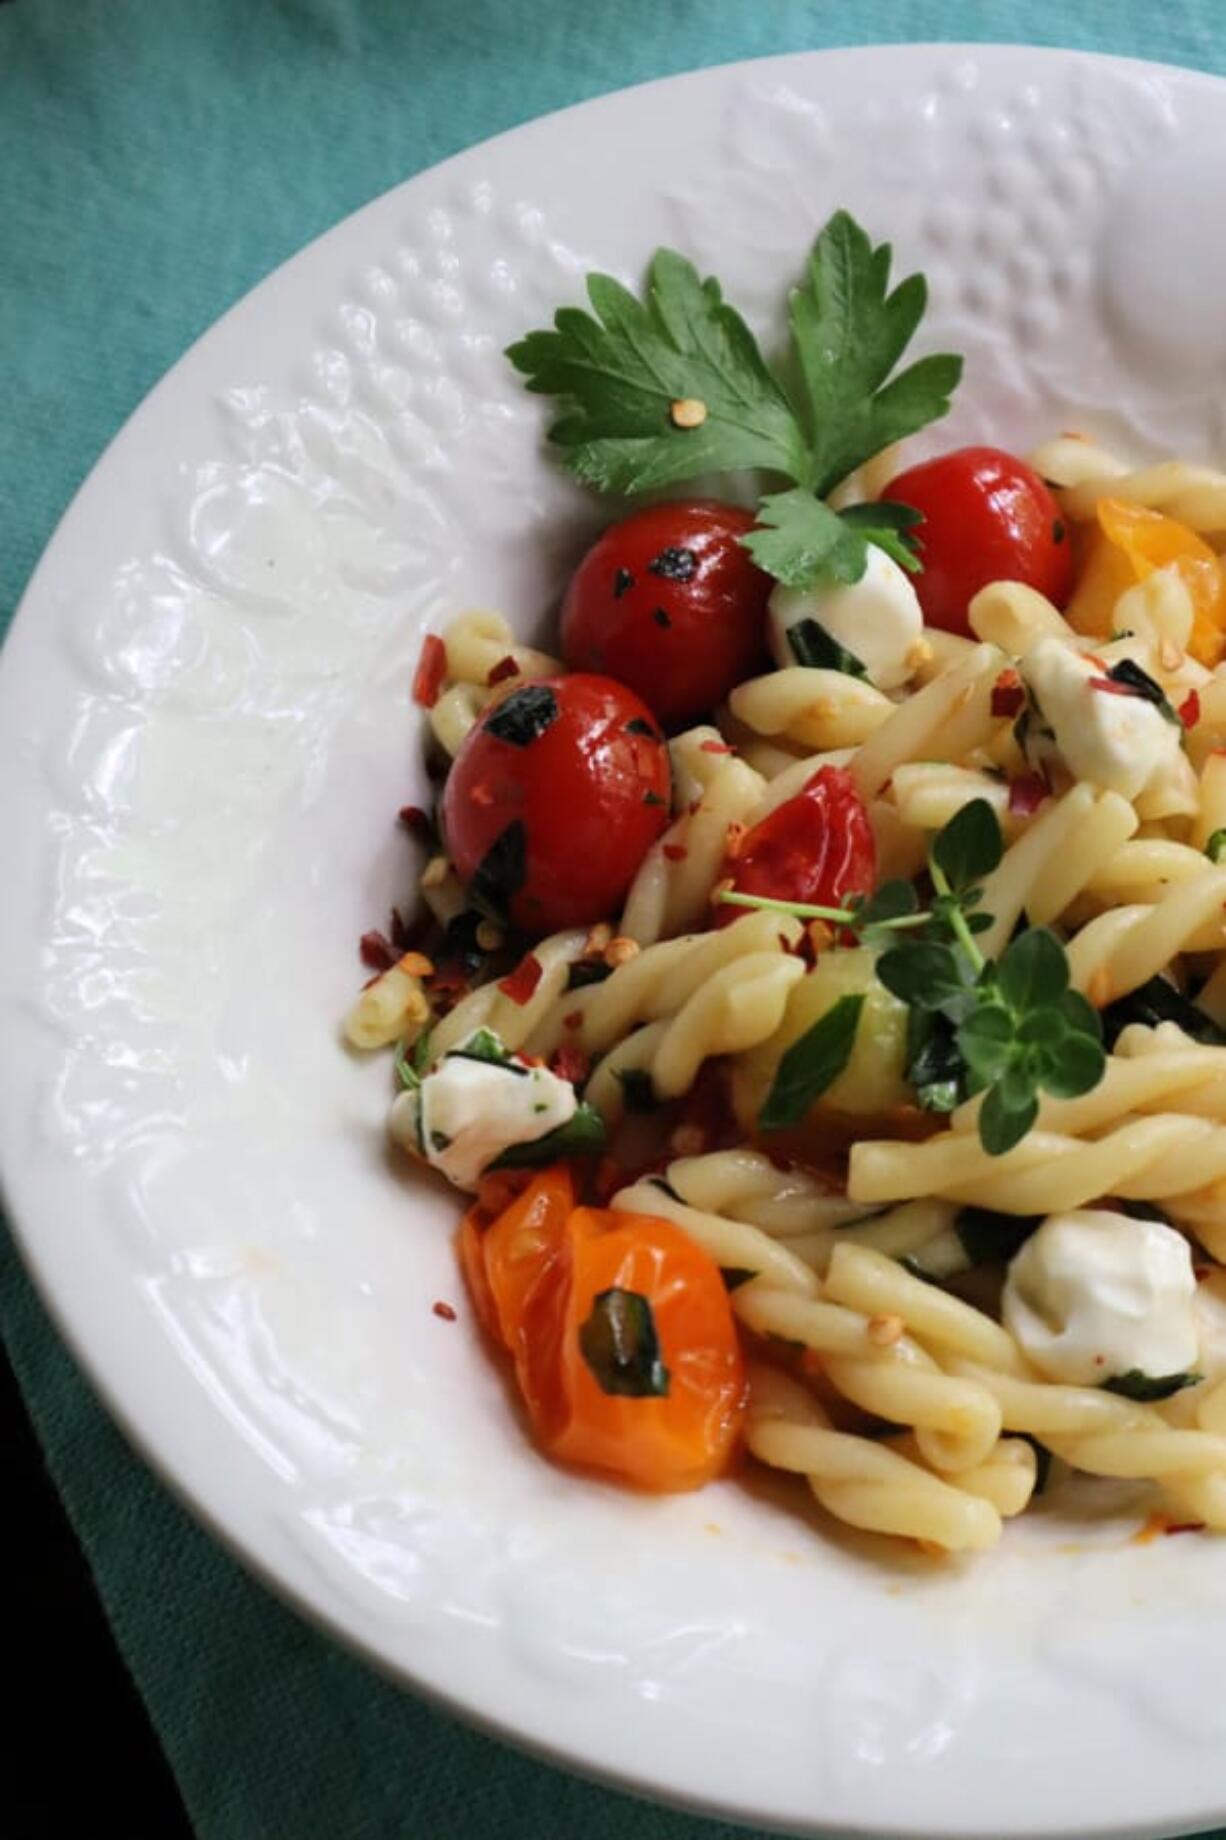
1146,1159
821,709
867,1485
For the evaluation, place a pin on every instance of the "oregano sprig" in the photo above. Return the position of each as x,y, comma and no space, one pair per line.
1008,1028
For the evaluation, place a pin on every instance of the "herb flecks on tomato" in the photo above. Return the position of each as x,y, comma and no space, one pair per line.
987,517
621,1332
670,602
553,800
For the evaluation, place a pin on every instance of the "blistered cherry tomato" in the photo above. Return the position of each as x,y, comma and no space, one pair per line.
816,847
669,602
987,517
553,800
622,1335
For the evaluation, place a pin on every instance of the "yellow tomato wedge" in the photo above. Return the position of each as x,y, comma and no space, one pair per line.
1129,543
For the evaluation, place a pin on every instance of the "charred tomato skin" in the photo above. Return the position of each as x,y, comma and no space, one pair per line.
553,800
670,602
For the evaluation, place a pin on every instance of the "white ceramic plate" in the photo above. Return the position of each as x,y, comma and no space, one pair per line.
205,730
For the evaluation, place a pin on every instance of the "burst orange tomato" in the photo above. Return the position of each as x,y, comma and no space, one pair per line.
622,1334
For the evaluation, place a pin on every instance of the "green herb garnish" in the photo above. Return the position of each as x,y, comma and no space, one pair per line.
583,1134
988,1237
812,1064
411,1064
1019,1029
1149,1388
619,372
1131,677
1215,849
621,1346
813,647
1158,1001
637,1090
500,874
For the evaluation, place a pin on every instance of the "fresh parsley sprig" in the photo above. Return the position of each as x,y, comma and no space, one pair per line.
1009,1028
656,391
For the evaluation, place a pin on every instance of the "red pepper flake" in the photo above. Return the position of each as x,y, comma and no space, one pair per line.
1027,794
573,1019
498,674
377,952
1185,1527
416,822
431,670
1109,687
480,794
520,984
445,1311
675,852
715,747
569,1062
1008,694
1189,709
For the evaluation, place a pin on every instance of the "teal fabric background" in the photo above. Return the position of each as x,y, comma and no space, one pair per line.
157,157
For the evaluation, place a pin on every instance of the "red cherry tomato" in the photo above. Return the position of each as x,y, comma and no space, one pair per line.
554,799
987,517
669,602
816,847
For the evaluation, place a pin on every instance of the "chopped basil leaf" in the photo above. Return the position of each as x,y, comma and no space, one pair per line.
439,1140
1149,1387
484,1045
411,1067
584,971
583,1134
1141,1210
1133,678
637,1090
523,715
736,1275
500,874
637,726
813,646
622,581
812,1064
990,1238
1215,849
652,798
935,1067
1155,1002
620,1344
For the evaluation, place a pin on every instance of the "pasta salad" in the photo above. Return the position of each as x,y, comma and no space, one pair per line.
819,984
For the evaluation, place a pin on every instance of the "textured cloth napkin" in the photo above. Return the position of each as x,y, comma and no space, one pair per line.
156,159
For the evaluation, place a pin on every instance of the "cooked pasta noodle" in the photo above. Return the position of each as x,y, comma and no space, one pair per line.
821,709
801,1094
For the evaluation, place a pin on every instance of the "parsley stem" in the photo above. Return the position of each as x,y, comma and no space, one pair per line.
957,919
806,910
